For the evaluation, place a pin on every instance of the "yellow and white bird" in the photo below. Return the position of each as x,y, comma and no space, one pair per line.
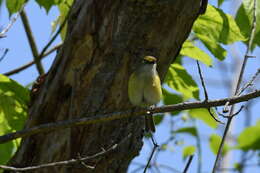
144,88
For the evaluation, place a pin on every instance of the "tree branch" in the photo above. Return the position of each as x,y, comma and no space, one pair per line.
236,93
55,35
188,164
25,66
13,20
126,114
205,92
32,42
68,162
4,54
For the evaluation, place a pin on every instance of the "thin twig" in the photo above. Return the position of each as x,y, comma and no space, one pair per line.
202,81
25,66
245,154
165,143
198,143
251,38
71,161
99,118
13,20
228,116
205,92
4,54
235,169
250,83
211,114
54,36
188,164
42,53
32,42
155,146
203,6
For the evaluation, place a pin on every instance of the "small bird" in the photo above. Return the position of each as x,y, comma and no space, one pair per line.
144,88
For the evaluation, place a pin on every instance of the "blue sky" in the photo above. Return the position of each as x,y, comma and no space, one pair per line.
19,54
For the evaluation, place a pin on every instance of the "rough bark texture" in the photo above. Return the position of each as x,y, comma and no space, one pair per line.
106,40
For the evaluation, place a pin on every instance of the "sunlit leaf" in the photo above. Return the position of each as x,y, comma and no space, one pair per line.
158,119
188,151
204,115
215,27
218,26
214,143
244,19
214,47
192,51
164,147
14,6
249,139
178,79
238,166
189,130
171,98
220,2
64,8
47,4
14,99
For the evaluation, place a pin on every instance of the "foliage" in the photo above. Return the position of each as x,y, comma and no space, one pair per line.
216,28
14,99
249,138
188,151
204,115
178,79
213,30
190,50
189,130
214,143
171,98
210,34
244,20
14,6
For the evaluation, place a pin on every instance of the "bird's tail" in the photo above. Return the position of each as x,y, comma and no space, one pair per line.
149,123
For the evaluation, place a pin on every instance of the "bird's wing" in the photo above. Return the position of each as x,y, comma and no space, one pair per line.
135,90
153,90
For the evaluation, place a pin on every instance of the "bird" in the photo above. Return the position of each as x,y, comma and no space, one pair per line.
144,88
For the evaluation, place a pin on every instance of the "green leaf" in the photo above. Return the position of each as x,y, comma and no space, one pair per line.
64,8
171,98
204,115
215,27
158,119
188,151
14,6
14,99
214,143
215,48
178,79
220,2
238,166
244,19
249,139
47,4
164,147
190,130
218,26
190,50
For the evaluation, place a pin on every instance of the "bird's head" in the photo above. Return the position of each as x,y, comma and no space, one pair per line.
149,60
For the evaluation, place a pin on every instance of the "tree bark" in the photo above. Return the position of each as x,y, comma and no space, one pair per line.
105,41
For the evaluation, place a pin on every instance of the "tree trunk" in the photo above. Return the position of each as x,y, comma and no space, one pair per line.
105,41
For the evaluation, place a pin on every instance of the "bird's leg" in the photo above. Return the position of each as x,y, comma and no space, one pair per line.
150,109
149,122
